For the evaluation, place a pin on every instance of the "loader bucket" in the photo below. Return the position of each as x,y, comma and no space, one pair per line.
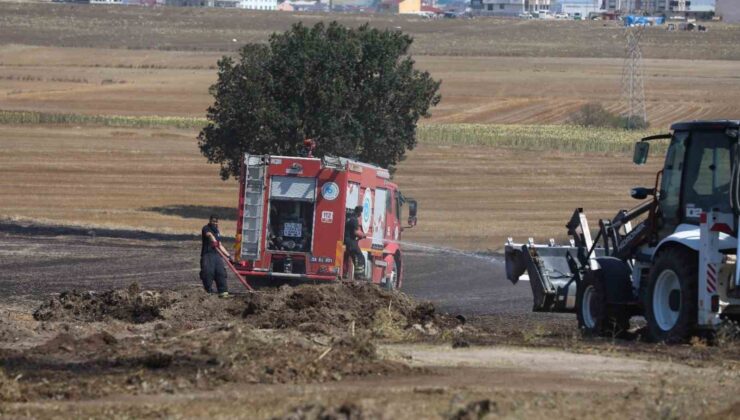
547,269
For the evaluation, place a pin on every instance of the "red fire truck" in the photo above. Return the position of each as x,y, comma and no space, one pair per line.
292,213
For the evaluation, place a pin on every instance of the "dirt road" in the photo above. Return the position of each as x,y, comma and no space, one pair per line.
37,261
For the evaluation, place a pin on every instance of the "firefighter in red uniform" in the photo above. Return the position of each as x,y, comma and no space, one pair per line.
352,234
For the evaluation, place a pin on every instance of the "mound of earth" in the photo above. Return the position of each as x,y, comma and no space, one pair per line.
342,307
131,305
69,367
88,345
329,309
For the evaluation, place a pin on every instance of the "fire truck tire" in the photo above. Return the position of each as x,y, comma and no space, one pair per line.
596,318
671,301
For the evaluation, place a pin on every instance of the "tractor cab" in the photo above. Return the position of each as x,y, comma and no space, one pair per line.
697,175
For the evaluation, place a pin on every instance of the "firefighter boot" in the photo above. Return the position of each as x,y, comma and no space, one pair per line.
359,271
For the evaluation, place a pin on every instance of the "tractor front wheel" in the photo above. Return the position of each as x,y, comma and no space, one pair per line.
594,315
670,307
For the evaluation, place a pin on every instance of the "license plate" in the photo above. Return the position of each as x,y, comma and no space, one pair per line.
293,230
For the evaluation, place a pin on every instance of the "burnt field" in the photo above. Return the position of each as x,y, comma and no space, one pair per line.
126,333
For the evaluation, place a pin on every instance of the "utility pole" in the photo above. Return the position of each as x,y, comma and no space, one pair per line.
633,88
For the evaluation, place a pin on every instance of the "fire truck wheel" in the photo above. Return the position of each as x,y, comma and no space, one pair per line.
670,306
392,279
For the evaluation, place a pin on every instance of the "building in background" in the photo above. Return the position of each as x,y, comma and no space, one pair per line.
400,6
258,4
660,7
728,10
509,7
571,7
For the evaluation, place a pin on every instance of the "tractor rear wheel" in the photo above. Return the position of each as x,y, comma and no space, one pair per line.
670,307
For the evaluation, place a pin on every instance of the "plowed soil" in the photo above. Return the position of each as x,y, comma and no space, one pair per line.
90,345
329,352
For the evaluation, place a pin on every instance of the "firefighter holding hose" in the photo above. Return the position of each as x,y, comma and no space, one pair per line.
211,266
352,234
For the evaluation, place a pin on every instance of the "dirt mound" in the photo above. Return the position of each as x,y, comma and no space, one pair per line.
332,309
99,364
340,308
299,334
131,305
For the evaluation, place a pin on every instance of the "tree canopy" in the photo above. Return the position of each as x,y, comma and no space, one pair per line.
354,91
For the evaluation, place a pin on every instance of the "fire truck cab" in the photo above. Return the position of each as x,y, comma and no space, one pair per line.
292,214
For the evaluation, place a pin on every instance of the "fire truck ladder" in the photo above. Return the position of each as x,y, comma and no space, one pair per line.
253,207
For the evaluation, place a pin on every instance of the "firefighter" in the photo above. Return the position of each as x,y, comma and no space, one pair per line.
211,266
353,233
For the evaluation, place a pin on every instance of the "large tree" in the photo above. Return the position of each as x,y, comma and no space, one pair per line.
354,91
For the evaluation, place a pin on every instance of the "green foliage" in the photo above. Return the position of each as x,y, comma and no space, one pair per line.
595,115
354,91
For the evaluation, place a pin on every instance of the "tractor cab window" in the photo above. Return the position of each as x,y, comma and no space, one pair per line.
708,171
670,189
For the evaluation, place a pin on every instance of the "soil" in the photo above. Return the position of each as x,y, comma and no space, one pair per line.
335,347
158,348
133,341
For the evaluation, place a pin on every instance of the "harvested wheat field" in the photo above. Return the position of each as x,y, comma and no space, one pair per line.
490,90
103,191
470,197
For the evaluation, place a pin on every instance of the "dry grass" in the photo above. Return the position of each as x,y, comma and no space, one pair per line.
487,90
470,197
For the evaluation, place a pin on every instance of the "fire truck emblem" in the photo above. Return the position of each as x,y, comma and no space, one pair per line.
330,191
367,210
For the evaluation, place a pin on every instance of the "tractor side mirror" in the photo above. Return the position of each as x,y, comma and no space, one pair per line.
641,152
412,211
641,193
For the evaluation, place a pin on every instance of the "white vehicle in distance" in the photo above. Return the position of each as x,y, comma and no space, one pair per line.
526,16
561,16
542,14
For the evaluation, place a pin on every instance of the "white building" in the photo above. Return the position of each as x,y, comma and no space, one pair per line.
571,7
655,7
512,7
258,4
729,10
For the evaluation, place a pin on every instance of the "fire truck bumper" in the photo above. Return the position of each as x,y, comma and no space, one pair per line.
272,279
